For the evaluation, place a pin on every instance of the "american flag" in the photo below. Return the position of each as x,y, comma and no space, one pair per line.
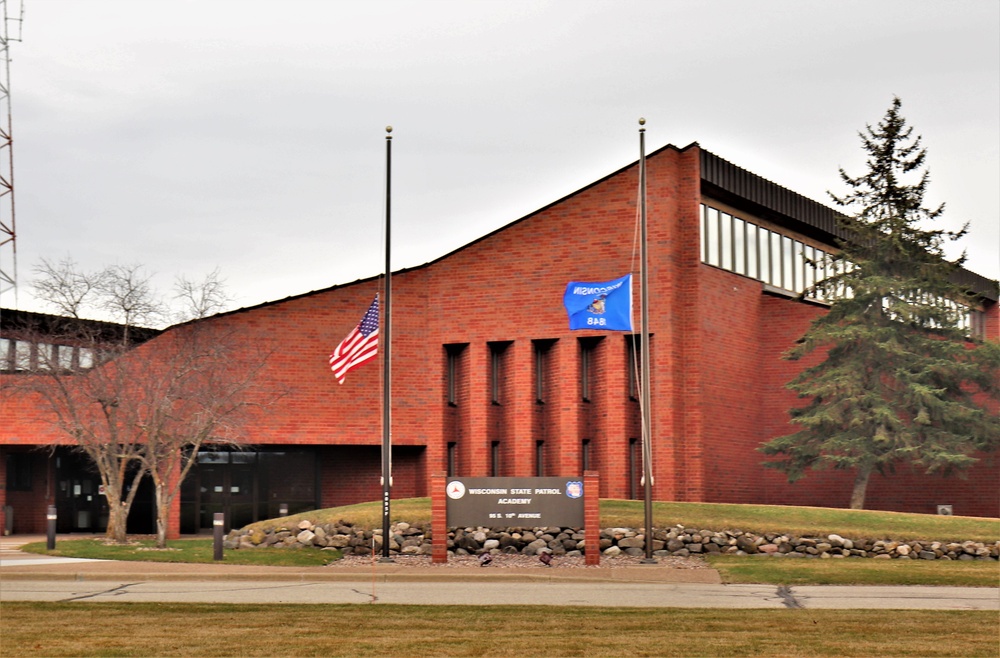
359,346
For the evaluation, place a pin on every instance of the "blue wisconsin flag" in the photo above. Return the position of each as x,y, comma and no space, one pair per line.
600,305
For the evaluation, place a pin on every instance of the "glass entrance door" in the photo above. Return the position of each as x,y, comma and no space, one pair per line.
227,485
247,486
80,502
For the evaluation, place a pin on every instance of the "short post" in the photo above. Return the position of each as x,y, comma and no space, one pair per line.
218,521
439,518
592,517
283,509
50,534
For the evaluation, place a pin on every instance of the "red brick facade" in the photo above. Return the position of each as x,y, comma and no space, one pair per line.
717,376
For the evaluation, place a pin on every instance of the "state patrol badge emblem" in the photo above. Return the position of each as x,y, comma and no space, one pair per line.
574,489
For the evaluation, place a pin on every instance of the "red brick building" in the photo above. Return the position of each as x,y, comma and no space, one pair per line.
488,380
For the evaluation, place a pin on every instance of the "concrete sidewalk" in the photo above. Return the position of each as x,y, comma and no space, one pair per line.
15,565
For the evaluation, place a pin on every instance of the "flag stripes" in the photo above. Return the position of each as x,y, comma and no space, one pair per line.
359,346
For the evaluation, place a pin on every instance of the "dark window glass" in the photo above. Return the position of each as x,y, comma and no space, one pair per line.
19,471
495,459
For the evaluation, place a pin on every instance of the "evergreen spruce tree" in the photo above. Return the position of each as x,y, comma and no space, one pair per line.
900,382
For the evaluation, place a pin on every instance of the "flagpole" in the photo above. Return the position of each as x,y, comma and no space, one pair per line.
647,452
386,341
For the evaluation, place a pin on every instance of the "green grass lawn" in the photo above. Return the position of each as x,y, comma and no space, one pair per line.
183,550
855,571
168,629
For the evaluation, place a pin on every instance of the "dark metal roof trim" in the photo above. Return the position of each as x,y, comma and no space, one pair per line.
13,322
725,178
740,188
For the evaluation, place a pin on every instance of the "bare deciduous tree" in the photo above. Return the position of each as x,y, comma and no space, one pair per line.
63,286
88,404
200,383
200,299
144,407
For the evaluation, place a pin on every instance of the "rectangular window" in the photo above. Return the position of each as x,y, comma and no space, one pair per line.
541,349
452,458
453,354
6,353
726,241
452,368
739,246
977,324
704,233
585,455
799,260
494,377
45,356
587,347
539,459
809,255
634,461
632,365
712,224
86,358
19,472
764,247
495,459
539,375
753,251
65,357
819,263
787,264
22,355
496,371
777,271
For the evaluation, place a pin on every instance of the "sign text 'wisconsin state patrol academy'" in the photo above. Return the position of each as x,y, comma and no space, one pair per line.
497,502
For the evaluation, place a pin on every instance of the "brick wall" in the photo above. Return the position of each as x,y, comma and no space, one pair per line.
29,505
717,377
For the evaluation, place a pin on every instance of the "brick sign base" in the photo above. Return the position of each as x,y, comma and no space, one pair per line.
591,518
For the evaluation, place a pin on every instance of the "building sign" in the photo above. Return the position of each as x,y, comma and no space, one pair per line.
517,502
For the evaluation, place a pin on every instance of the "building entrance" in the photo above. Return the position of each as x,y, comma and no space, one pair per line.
226,485
247,486
81,505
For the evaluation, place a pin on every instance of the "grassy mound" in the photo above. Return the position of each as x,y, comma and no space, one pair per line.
799,521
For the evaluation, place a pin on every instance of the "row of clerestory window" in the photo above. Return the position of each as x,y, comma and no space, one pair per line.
28,356
791,265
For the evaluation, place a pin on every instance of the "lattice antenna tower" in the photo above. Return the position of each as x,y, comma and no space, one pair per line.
12,13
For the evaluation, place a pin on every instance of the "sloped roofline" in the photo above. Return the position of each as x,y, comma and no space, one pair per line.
720,179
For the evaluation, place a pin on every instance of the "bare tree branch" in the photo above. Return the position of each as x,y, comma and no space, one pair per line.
63,286
201,299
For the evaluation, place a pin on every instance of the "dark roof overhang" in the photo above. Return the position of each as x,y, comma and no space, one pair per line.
742,189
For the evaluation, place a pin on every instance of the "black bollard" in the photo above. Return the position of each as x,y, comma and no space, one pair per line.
50,535
217,527
283,509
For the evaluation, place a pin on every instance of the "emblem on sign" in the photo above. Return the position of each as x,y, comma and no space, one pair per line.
574,489
455,490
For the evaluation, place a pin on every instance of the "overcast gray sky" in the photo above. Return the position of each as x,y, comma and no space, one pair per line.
249,135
